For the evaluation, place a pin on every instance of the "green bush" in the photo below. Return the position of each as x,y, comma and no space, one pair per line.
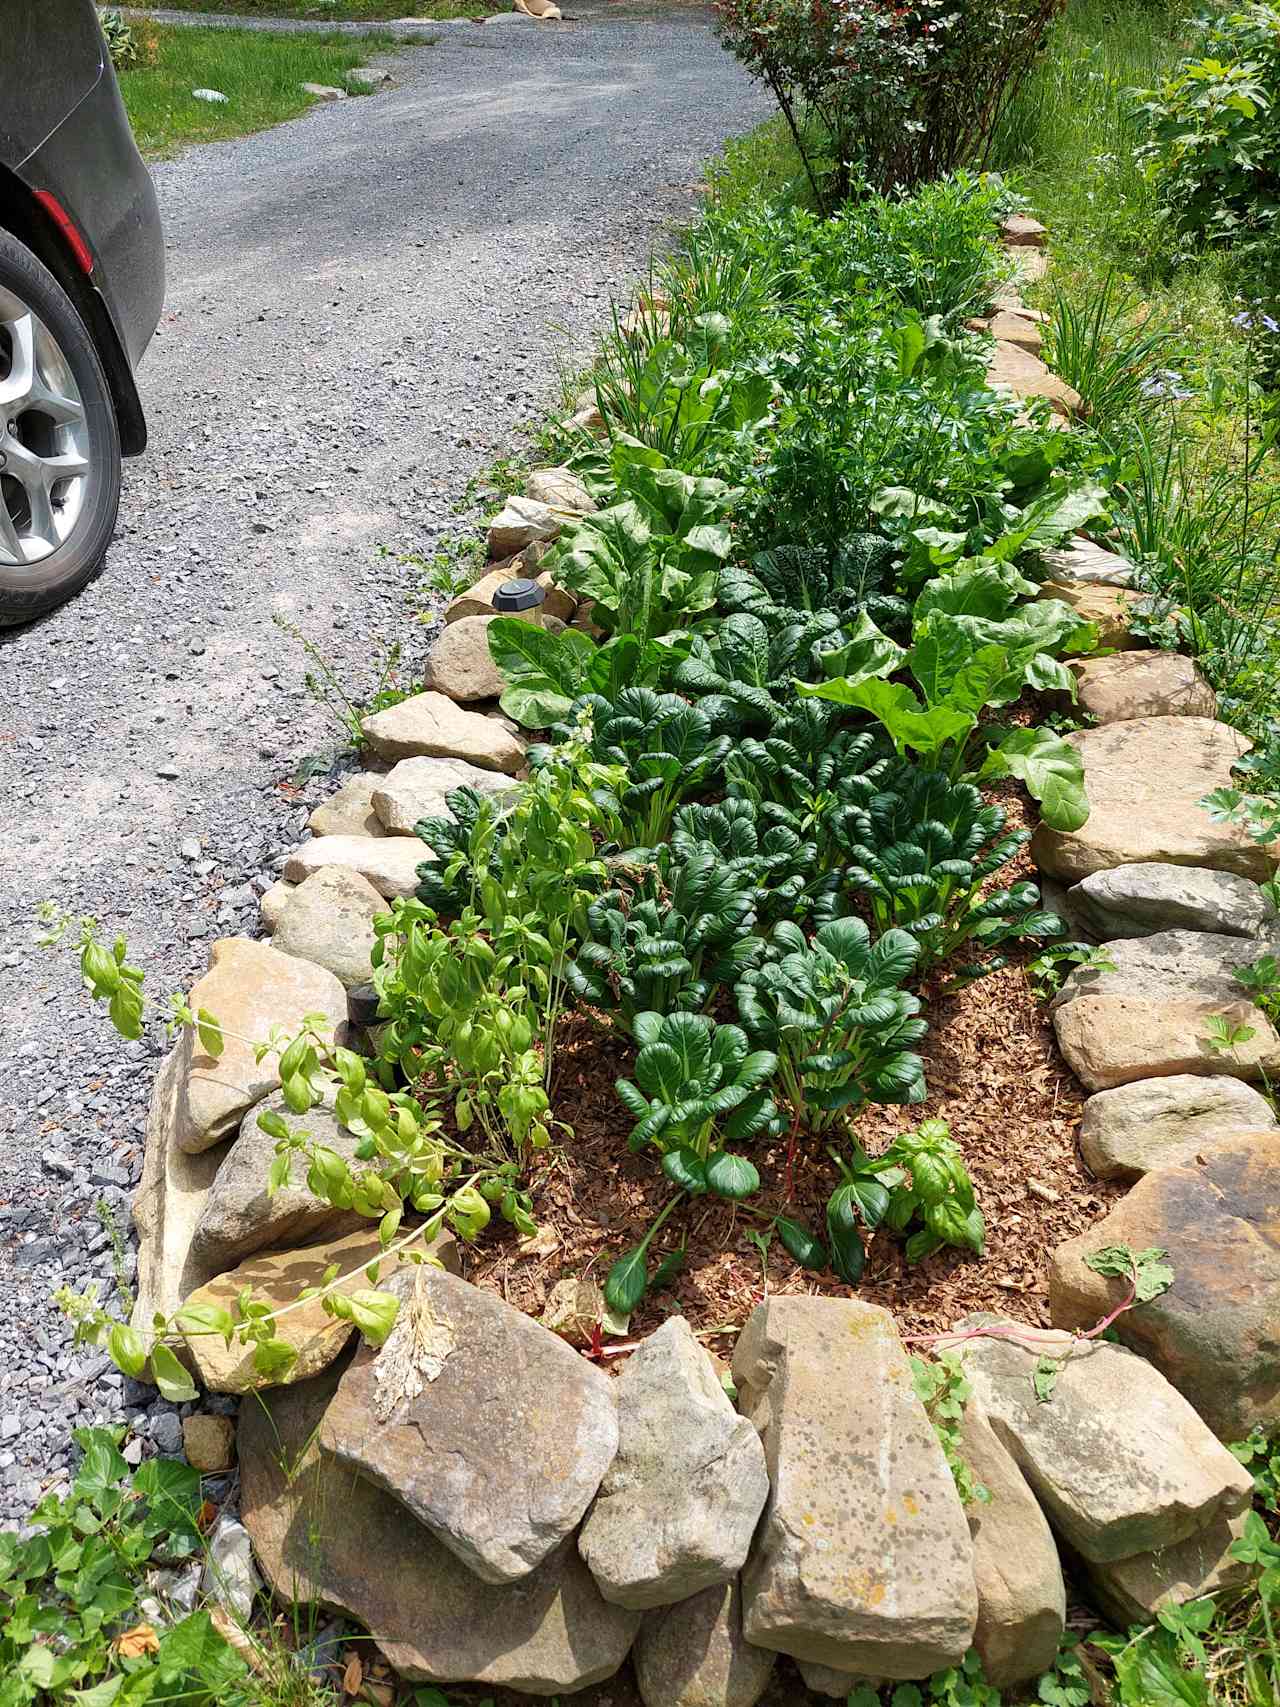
1213,136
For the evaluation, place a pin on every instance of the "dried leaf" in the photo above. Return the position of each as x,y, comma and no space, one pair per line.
238,1638
206,1517
142,1639
353,1675
415,1351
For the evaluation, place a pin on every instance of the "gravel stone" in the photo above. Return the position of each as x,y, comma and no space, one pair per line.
311,397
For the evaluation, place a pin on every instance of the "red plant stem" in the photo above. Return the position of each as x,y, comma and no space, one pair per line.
1018,1335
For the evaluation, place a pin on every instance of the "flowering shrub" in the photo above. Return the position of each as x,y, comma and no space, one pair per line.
895,94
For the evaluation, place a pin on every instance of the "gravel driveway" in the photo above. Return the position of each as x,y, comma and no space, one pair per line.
362,306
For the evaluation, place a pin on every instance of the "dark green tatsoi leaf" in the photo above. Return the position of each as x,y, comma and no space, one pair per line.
800,1243
627,1282
848,1253
667,1269
731,1176
685,1168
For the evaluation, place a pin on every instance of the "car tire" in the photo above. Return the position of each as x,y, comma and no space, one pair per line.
28,589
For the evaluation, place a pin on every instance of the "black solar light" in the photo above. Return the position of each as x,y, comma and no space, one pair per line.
521,594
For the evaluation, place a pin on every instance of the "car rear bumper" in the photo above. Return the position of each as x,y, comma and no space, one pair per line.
92,165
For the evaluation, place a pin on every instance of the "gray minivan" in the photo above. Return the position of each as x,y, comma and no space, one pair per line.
81,289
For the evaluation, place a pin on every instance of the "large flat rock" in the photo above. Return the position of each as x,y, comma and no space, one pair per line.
1022,1599
349,809
1116,1456
493,1432
1110,609
679,1504
1013,369
1150,1014
328,920
1142,900
1215,1334
1145,779
240,1216
1134,684
323,1534
863,1561
278,1278
389,865
169,1204
251,989
430,725
694,1654
1080,562
1135,1591
1161,1123
419,788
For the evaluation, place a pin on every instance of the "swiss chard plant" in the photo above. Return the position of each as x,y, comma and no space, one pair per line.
918,855
545,672
683,925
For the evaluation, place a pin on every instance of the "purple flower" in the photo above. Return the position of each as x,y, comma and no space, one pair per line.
1166,384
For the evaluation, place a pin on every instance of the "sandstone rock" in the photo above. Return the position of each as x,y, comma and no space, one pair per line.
1150,1015
316,1528
1142,684
417,788
478,599
209,1443
274,902
560,489
519,522
826,1680
498,1446
1142,900
459,663
1010,328
1081,563
863,1560
695,1655
574,1309
1145,780
238,1216
1133,1591
278,1277
329,921
1019,230
1030,265
1113,1040
1022,1600
323,92
368,76
169,1203
249,989
1108,608
1014,369
1213,1334
679,1504
1162,1123
430,725
557,602
388,866
1117,1458
350,811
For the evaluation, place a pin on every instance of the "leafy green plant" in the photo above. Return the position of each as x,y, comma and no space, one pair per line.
835,1015
785,872
119,39
943,1389
808,767
919,854
955,1686
683,927
70,1627
545,673
1224,1034
1049,969
918,1188
1116,366
325,688
1260,981
666,749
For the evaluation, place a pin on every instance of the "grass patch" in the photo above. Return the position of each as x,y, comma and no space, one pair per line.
343,11
261,75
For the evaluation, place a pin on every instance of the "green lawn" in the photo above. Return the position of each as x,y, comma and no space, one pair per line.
260,73
344,11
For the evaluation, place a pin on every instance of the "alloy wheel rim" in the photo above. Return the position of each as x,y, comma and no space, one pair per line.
44,439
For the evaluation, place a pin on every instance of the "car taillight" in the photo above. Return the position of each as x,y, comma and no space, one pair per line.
66,225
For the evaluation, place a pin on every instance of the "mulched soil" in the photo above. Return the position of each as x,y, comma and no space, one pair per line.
993,1073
